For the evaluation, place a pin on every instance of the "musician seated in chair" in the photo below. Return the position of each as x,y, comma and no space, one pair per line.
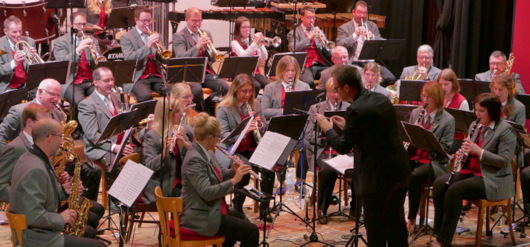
486,172
498,64
427,166
307,40
339,56
37,194
237,105
371,76
204,186
513,110
13,64
452,98
424,70
82,64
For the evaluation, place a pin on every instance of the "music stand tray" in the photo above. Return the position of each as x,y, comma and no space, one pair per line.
410,90
55,70
122,17
123,71
191,69
382,49
233,66
300,57
299,100
11,98
142,110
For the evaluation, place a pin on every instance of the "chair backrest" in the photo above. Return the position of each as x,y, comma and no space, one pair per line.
17,223
168,209
134,157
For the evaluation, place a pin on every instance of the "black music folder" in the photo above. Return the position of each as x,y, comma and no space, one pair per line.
382,49
60,4
123,71
463,119
191,69
300,58
525,99
300,100
523,138
233,66
410,90
424,139
55,70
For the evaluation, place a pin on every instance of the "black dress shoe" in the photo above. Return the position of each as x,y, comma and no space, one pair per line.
322,219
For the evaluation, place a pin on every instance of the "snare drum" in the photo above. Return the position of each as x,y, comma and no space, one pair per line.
36,18
113,53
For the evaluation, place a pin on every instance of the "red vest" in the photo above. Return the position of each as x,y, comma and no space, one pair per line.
312,54
456,101
83,70
150,68
19,78
245,47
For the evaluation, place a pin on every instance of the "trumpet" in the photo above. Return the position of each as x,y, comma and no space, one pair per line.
96,57
146,120
416,75
257,135
329,45
160,48
29,56
252,173
365,26
210,48
275,42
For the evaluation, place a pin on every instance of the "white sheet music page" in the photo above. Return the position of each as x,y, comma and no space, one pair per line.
130,183
234,147
269,149
341,163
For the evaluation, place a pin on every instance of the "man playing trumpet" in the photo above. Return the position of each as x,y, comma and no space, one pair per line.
13,66
424,70
82,65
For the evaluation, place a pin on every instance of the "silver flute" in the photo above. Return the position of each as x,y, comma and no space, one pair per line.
252,173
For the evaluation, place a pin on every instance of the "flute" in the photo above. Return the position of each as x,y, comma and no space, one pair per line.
252,173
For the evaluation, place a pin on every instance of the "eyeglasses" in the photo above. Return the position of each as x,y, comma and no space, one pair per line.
424,57
58,135
51,93
107,80
426,96
82,24
145,21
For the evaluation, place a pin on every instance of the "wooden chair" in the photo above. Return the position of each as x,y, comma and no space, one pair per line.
169,209
17,223
485,207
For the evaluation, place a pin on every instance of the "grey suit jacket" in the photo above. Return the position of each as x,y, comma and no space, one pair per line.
302,42
519,113
496,162
309,134
62,51
151,154
134,49
486,76
230,118
443,128
8,158
325,75
432,74
37,194
94,115
13,124
345,35
6,73
271,102
184,45
203,191
380,89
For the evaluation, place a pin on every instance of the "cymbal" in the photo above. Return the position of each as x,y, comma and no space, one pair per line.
93,28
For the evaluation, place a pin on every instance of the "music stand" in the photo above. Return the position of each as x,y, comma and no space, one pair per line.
143,109
233,66
187,69
300,100
470,89
525,99
123,71
463,119
403,111
300,58
55,70
11,98
410,90
382,49
59,4
122,17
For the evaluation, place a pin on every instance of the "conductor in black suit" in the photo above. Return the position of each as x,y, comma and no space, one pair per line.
382,171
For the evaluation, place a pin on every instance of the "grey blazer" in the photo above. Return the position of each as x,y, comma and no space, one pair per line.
202,191
6,73
309,134
345,35
8,158
325,75
184,45
37,194
134,49
380,89
229,119
443,128
62,51
496,162
519,113
94,116
271,102
13,124
151,155
302,42
486,76
432,74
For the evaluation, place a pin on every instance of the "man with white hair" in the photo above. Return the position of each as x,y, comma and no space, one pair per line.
339,56
48,95
497,64
424,57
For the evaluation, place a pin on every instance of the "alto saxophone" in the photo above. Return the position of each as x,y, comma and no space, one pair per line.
81,209
257,134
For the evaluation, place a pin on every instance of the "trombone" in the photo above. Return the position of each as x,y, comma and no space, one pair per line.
29,56
96,57
210,48
160,48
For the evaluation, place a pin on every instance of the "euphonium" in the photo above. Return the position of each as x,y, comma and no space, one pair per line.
328,45
96,57
210,48
460,157
29,56
257,134
160,48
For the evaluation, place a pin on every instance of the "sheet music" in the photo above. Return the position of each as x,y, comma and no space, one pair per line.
341,163
130,183
269,150
234,147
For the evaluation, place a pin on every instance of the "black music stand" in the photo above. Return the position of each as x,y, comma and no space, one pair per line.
59,4
186,69
143,109
463,119
123,71
410,90
470,89
382,49
298,101
11,98
403,111
122,17
55,70
233,66
300,57
525,99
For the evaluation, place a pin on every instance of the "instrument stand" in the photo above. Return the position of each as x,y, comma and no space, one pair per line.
340,211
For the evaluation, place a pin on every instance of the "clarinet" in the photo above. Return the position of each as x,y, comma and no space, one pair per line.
257,134
419,120
460,157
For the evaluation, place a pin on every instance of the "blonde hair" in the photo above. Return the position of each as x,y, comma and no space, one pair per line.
93,6
230,100
434,89
282,67
329,84
206,125
166,114
178,91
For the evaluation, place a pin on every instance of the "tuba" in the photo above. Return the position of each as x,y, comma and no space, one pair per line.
30,57
160,48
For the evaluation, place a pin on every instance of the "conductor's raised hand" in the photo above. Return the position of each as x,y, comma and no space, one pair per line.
323,122
339,121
